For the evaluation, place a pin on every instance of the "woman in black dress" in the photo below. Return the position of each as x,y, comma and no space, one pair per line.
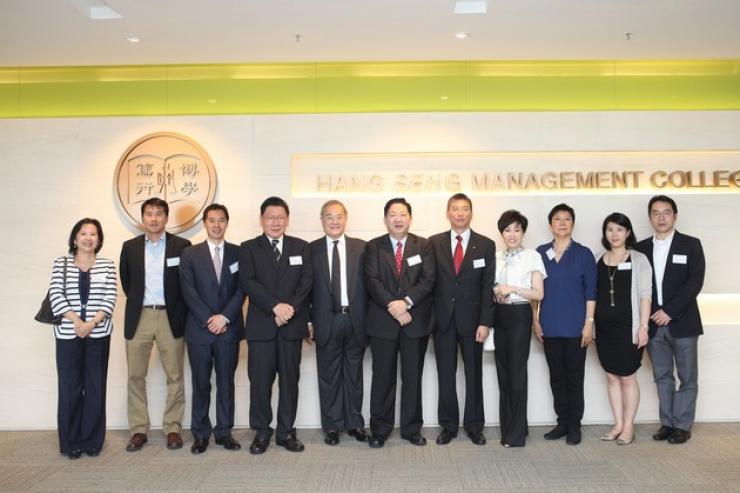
624,280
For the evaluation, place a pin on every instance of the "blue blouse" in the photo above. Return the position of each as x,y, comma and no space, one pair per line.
570,283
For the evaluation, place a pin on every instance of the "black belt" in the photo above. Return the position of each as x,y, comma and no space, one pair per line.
155,307
344,310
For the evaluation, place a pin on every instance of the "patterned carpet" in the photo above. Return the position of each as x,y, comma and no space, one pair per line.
709,462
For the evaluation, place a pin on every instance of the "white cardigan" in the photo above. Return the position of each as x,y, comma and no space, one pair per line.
642,285
102,297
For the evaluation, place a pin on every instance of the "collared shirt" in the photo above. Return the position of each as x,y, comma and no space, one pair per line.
212,249
154,270
660,257
570,283
394,243
465,240
342,248
279,242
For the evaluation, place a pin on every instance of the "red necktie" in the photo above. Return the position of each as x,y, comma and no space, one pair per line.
458,257
399,258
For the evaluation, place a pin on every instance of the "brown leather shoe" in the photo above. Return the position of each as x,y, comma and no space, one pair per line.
136,441
174,441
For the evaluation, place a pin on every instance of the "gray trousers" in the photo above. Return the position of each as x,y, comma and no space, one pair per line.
677,406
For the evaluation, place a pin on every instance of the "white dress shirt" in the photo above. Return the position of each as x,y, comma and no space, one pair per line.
342,248
465,240
660,257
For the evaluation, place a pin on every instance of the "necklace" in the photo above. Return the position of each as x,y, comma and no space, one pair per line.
612,271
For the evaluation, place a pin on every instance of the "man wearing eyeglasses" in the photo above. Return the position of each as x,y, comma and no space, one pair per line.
276,275
675,324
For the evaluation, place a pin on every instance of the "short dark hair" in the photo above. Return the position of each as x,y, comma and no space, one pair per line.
561,208
396,200
76,229
155,202
274,202
330,203
215,207
621,220
459,196
662,198
510,217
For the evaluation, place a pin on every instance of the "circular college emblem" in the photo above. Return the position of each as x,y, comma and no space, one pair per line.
172,167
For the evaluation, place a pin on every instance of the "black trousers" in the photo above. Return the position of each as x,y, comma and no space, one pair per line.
203,357
512,336
445,351
567,360
266,360
339,364
82,371
383,389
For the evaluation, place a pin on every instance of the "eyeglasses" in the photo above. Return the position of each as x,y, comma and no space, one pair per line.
662,214
275,219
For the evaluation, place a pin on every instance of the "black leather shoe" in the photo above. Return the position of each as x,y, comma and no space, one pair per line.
359,434
229,443
415,439
331,437
259,445
573,437
74,455
376,441
199,446
445,437
477,437
291,444
92,452
663,433
556,433
679,436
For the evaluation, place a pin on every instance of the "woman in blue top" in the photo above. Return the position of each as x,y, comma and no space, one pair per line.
565,320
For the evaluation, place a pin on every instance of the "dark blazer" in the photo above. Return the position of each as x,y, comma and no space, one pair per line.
416,282
322,302
469,294
133,279
682,283
268,283
205,296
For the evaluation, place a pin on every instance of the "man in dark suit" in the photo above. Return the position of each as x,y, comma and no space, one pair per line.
338,310
463,303
675,324
275,272
155,314
209,275
400,273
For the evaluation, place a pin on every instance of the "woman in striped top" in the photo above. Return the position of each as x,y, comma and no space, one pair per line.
83,290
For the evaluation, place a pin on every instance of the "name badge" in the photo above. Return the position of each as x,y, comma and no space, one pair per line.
679,259
295,260
625,266
550,253
234,268
416,259
478,263
173,261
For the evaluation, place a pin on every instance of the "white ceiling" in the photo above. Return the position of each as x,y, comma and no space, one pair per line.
56,32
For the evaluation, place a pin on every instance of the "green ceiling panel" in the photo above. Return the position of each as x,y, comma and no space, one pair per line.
566,85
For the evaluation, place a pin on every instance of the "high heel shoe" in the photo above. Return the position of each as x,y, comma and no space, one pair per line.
607,437
622,441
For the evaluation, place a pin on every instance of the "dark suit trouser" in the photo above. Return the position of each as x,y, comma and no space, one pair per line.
383,389
339,364
82,370
677,408
445,350
265,360
567,360
512,336
203,357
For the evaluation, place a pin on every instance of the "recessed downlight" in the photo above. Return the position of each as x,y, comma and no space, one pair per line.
133,39
462,35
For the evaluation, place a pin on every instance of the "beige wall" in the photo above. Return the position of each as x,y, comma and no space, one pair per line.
55,171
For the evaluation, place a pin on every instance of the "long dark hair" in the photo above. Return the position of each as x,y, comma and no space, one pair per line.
621,220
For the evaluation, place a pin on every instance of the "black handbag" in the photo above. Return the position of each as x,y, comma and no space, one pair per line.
45,315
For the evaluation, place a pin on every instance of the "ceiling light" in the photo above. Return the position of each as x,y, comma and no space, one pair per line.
471,7
133,39
462,35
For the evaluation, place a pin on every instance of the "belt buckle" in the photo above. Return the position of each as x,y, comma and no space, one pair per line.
344,310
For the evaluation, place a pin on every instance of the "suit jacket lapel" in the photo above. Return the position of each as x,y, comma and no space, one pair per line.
668,272
205,253
351,261
266,244
449,261
471,251
389,252
324,265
